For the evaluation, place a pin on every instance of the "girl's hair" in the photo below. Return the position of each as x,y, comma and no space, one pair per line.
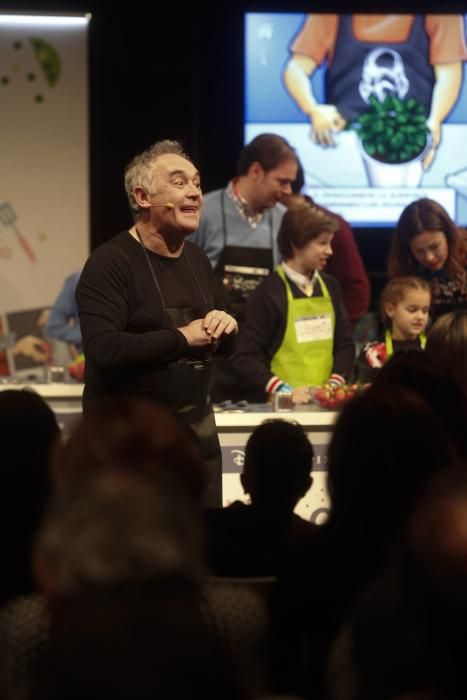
302,224
446,344
396,289
424,216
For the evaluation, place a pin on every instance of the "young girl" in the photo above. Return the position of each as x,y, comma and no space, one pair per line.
405,306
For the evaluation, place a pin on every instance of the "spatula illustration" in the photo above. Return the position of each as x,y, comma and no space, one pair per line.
8,218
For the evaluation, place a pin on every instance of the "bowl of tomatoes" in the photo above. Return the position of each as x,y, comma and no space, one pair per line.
333,396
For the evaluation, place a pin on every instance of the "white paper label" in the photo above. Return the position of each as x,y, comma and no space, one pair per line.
309,328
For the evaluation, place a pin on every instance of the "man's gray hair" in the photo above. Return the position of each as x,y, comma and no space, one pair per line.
139,172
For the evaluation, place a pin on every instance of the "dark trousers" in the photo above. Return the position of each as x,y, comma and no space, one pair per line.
206,431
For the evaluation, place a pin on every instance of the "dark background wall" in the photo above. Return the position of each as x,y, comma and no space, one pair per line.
171,70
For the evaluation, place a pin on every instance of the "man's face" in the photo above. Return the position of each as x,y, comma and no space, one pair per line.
176,182
272,185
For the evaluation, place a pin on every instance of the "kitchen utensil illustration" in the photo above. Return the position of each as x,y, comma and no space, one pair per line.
458,181
8,218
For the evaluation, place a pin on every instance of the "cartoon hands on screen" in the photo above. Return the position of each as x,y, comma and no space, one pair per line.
326,120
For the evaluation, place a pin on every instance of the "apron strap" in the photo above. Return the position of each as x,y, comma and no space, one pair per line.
390,346
281,272
324,289
283,276
154,277
224,224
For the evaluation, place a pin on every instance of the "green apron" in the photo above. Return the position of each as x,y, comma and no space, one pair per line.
389,345
305,357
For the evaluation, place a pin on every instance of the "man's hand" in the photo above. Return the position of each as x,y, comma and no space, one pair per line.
30,346
325,119
195,333
218,323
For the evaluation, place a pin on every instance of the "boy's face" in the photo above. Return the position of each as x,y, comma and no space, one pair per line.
410,315
314,254
272,185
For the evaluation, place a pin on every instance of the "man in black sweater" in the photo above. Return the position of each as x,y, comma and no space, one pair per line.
150,317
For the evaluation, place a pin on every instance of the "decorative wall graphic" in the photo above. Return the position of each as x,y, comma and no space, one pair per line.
48,59
8,218
25,68
44,186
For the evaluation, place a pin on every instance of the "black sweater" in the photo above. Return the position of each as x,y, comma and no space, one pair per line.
125,338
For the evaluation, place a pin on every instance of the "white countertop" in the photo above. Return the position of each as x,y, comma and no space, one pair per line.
305,415
52,390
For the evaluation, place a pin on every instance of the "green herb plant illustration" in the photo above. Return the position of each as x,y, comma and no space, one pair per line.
394,130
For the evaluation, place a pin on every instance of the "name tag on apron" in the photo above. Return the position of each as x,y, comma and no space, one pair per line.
309,328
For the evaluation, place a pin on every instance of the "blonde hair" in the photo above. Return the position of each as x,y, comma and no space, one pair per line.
396,289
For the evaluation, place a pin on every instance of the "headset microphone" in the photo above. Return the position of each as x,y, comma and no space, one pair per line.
168,205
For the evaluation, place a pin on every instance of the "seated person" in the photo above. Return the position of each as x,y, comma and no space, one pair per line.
253,540
405,304
446,345
296,333
63,321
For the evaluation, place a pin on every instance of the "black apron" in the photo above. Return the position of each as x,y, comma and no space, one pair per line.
238,272
345,72
185,387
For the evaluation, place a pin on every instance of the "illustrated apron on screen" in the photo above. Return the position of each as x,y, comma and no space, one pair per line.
185,386
345,73
305,357
239,271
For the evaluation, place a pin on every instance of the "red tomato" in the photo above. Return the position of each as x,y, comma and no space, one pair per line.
340,394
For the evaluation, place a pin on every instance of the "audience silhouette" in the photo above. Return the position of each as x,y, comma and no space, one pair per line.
28,432
254,539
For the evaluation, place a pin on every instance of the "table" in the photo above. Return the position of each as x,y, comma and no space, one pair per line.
234,427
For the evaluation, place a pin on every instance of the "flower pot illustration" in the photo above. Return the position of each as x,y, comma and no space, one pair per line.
381,174
394,140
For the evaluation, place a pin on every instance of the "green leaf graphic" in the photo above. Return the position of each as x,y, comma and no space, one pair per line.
47,58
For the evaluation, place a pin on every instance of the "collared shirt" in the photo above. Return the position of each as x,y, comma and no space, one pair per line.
243,208
303,282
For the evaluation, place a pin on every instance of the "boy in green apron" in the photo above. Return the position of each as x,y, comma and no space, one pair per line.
297,334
